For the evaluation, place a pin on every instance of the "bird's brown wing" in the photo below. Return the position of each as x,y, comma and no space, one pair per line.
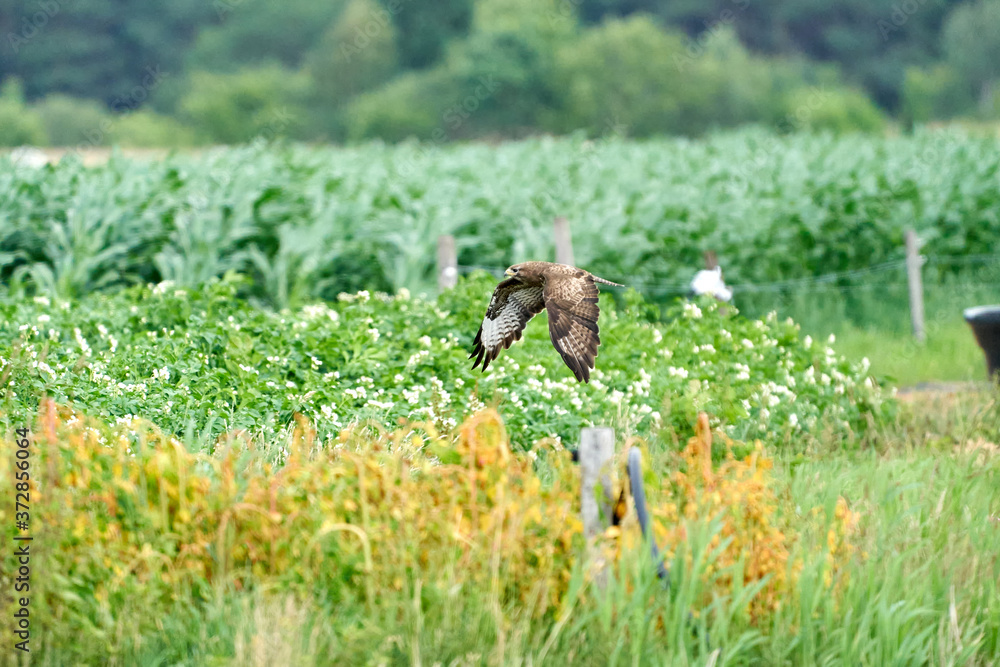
512,305
571,300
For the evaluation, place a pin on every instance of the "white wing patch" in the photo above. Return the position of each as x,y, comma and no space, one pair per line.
506,324
508,313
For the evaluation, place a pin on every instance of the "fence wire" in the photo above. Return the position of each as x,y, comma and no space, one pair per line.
827,280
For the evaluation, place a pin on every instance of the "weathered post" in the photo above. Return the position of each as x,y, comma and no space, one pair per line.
711,260
915,280
597,448
564,241
447,260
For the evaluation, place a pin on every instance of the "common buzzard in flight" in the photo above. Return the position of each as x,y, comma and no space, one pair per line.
569,293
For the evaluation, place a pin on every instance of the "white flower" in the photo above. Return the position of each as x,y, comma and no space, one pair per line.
747,343
162,288
677,372
373,332
425,341
832,339
44,318
42,300
657,336
807,342
692,310
793,419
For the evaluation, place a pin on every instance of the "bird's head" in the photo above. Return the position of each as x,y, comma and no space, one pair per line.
513,271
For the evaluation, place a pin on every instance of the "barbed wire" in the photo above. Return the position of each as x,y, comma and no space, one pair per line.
827,279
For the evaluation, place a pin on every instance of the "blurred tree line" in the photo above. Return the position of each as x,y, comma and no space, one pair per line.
96,72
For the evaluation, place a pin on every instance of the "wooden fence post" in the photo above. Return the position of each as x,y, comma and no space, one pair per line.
597,448
447,262
564,241
913,275
711,260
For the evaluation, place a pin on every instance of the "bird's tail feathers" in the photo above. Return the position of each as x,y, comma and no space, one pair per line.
606,282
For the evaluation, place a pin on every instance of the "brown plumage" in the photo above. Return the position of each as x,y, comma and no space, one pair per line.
569,294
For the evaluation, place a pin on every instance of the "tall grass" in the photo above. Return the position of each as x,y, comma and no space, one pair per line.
922,588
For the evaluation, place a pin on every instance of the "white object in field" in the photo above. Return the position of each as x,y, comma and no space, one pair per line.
710,282
29,156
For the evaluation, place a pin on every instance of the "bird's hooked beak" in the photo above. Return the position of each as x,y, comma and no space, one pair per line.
509,273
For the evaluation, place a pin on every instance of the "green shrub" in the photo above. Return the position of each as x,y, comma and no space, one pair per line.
356,54
832,108
264,102
624,74
71,121
410,106
148,129
20,125
934,94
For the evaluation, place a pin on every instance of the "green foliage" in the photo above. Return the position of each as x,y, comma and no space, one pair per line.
972,46
425,28
148,129
99,50
252,103
200,356
89,50
834,109
935,93
410,106
357,53
643,213
255,33
622,74
19,125
71,121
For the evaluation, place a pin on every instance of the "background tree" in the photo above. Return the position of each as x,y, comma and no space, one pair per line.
424,27
357,53
972,44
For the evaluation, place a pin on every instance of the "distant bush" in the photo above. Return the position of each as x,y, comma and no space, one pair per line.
623,74
264,102
411,105
70,121
357,53
19,124
934,94
836,109
148,129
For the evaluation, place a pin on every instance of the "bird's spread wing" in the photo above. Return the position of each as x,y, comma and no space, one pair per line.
512,305
571,301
